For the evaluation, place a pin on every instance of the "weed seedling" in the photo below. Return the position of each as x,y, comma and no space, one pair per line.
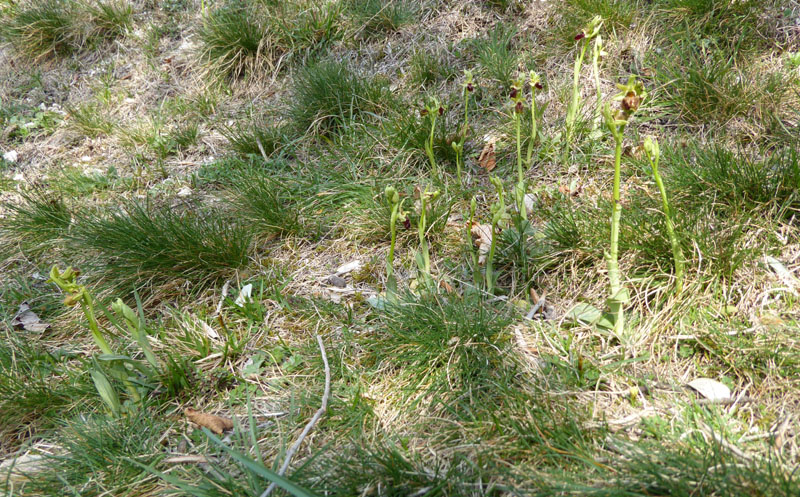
584,37
652,150
631,96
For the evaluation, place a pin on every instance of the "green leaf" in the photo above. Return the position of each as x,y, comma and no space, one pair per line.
621,297
589,314
261,470
253,366
174,480
106,391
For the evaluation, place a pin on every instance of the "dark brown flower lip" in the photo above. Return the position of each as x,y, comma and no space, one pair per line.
441,110
407,224
470,87
513,93
580,36
538,86
518,107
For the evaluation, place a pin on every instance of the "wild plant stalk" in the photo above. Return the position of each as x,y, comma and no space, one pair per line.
135,326
590,31
423,256
536,84
432,109
476,275
517,100
458,144
631,96
597,52
79,295
652,150
618,295
499,216
397,215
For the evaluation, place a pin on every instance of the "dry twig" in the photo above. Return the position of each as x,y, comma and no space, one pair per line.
290,453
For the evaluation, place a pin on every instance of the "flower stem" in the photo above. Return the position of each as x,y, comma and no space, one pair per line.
616,301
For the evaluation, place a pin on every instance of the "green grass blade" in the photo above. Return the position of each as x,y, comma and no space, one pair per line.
260,470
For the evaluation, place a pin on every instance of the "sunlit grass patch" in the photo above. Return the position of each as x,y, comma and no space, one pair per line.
735,181
36,388
375,17
234,38
710,86
328,93
42,28
36,223
447,346
144,244
100,455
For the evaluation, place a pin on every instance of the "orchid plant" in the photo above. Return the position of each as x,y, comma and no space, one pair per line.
589,32
117,365
630,97
432,109
458,144
397,215
500,216
653,153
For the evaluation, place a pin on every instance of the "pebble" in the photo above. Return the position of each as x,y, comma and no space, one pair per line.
11,156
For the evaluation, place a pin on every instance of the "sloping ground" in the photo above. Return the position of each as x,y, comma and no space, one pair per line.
226,170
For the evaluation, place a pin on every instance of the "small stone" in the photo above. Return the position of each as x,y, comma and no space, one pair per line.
349,267
11,156
184,192
337,281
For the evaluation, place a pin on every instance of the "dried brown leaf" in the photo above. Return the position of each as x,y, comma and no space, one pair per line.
28,320
215,423
482,238
487,157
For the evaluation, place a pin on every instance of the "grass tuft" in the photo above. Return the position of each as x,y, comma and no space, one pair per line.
37,223
233,39
254,136
376,17
444,344
39,29
328,93
100,456
142,244
495,54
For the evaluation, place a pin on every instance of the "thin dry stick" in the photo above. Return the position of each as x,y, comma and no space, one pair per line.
311,423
